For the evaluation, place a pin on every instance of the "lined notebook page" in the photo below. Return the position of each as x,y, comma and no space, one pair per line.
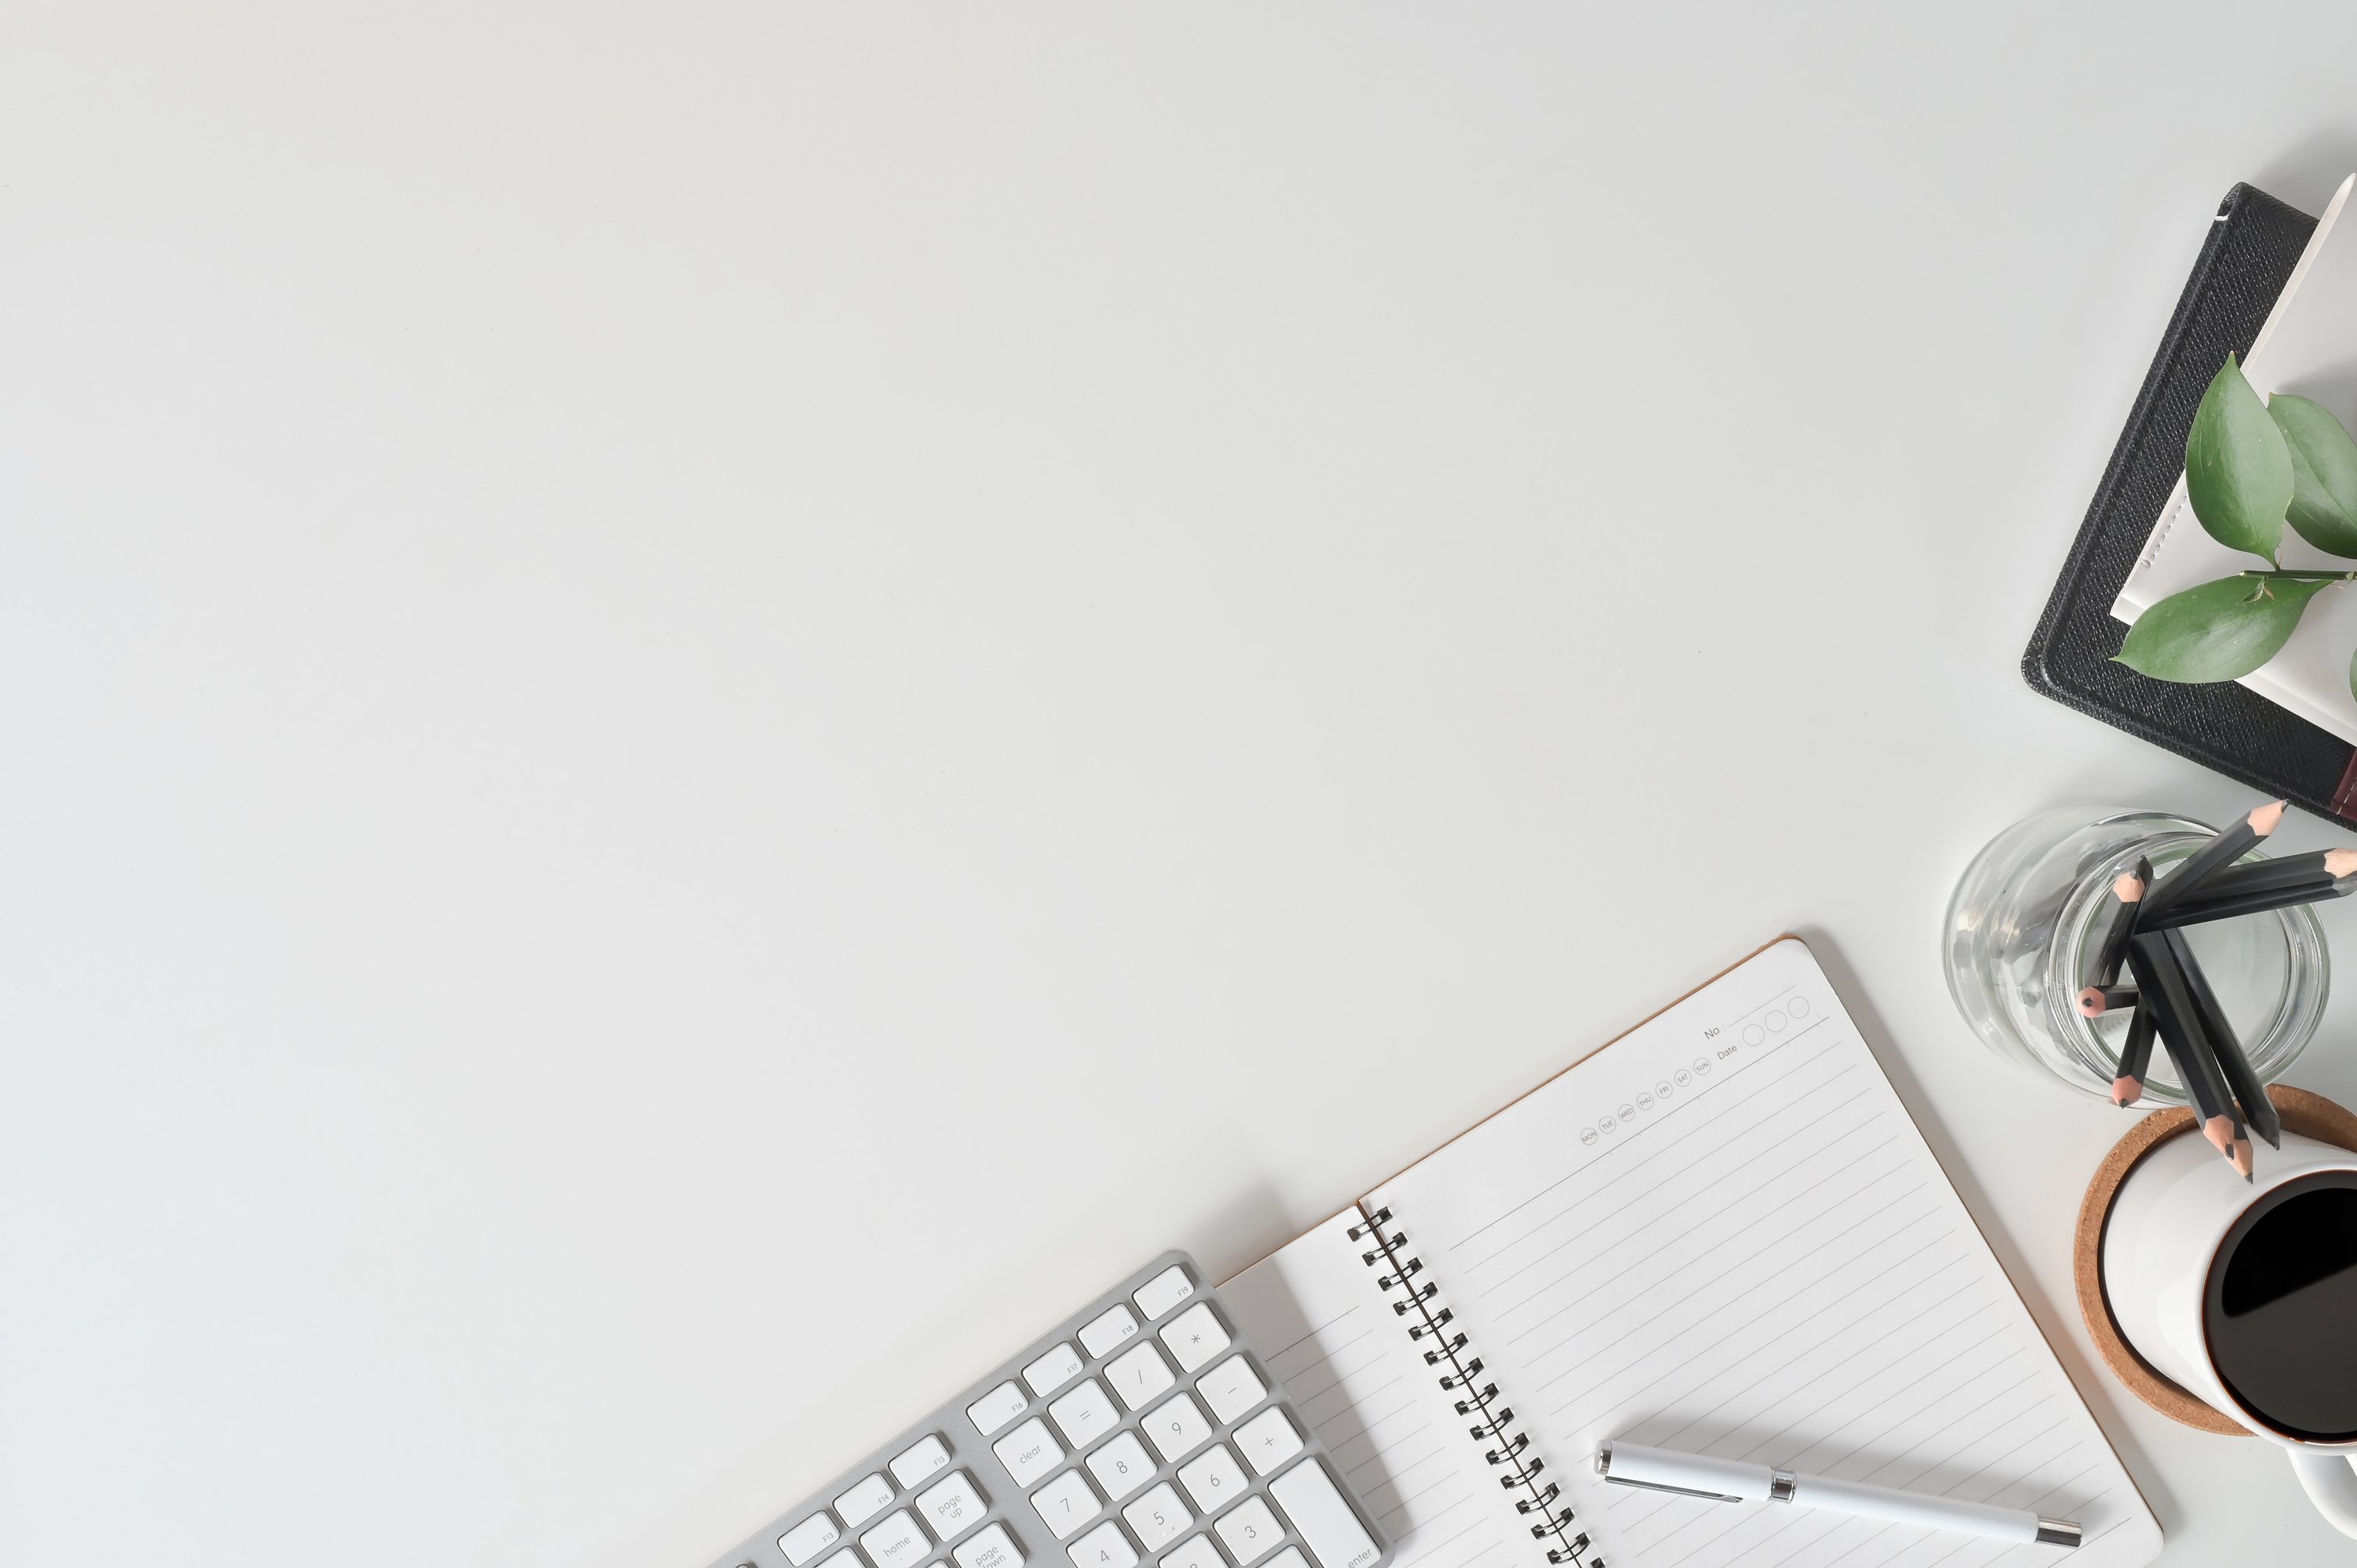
1724,1233
1326,1331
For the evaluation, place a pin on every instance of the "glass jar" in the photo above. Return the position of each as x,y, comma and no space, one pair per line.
2032,909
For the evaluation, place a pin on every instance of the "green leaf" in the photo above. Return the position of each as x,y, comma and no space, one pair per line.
2219,631
2323,474
2238,468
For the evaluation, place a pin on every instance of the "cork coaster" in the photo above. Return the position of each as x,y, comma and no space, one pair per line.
2310,1115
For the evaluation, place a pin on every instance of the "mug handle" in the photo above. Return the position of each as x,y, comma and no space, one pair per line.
2330,1482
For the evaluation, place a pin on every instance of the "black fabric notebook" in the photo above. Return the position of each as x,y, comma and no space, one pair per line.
2253,245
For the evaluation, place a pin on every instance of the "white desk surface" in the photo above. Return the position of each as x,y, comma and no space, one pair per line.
707,707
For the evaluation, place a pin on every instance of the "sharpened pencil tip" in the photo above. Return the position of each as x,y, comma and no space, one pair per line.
2128,888
2242,1157
2220,1131
2091,1002
2340,863
2126,1092
2263,818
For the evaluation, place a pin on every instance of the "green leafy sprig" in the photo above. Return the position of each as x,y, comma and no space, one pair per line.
2251,466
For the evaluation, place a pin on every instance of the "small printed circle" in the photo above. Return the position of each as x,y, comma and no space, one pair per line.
1663,1088
1775,1022
1627,1112
1588,1134
1702,1064
1644,1102
1753,1033
1608,1123
1683,1078
1798,1006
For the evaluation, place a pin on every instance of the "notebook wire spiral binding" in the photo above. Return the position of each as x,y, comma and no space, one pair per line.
1450,1354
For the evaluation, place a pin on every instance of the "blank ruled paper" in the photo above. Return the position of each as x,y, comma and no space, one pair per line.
1724,1233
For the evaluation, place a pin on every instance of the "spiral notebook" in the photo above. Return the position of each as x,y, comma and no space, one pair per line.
1722,1233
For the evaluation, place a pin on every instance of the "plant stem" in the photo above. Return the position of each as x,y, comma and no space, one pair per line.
2306,574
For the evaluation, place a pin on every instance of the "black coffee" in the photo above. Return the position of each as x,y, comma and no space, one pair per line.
2282,1308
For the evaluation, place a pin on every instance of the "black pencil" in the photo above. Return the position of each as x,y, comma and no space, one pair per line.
2216,856
2127,892
2253,877
2257,1109
2201,911
2205,1087
2136,1054
2098,1000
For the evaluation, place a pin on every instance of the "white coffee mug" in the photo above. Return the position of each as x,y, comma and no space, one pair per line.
2173,1213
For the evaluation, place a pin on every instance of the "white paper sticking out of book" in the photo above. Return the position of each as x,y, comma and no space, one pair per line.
2308,346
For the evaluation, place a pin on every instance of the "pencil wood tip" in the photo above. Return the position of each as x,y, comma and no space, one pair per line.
2263,818
2220,1131
2127,1090
2340,863
2091,1002
2128,887
2242,1157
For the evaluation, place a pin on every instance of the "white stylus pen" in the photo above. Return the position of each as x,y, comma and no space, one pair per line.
1733,1481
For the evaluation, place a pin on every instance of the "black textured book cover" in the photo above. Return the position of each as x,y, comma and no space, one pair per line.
2253,245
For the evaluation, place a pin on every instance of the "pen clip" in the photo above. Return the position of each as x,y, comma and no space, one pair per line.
1681,1491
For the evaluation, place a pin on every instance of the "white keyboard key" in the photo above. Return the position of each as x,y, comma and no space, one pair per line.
1103,1547
1139,1375
1289,1558
898,1543
1231,1388
1195,1552
929,1457
951,1507
1084,1415
1268,1440
1029,1452
1323,1520
1121,1466
1065,1504
1215,1480
803,1542
1108,1331
1250,1531
1053,1370
997,1408
1157,1517
1163,1292
864,1501
1195,1335
993,1548
1175,1428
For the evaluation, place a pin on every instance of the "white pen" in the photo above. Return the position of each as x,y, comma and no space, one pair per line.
1734,1481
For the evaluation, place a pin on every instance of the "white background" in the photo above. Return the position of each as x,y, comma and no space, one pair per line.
705,707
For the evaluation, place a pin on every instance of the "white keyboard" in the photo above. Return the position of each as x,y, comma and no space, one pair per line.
1144,1430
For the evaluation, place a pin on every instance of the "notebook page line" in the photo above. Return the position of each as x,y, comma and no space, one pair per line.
1590,1257
1703,1321
1806,1158
1731,1104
